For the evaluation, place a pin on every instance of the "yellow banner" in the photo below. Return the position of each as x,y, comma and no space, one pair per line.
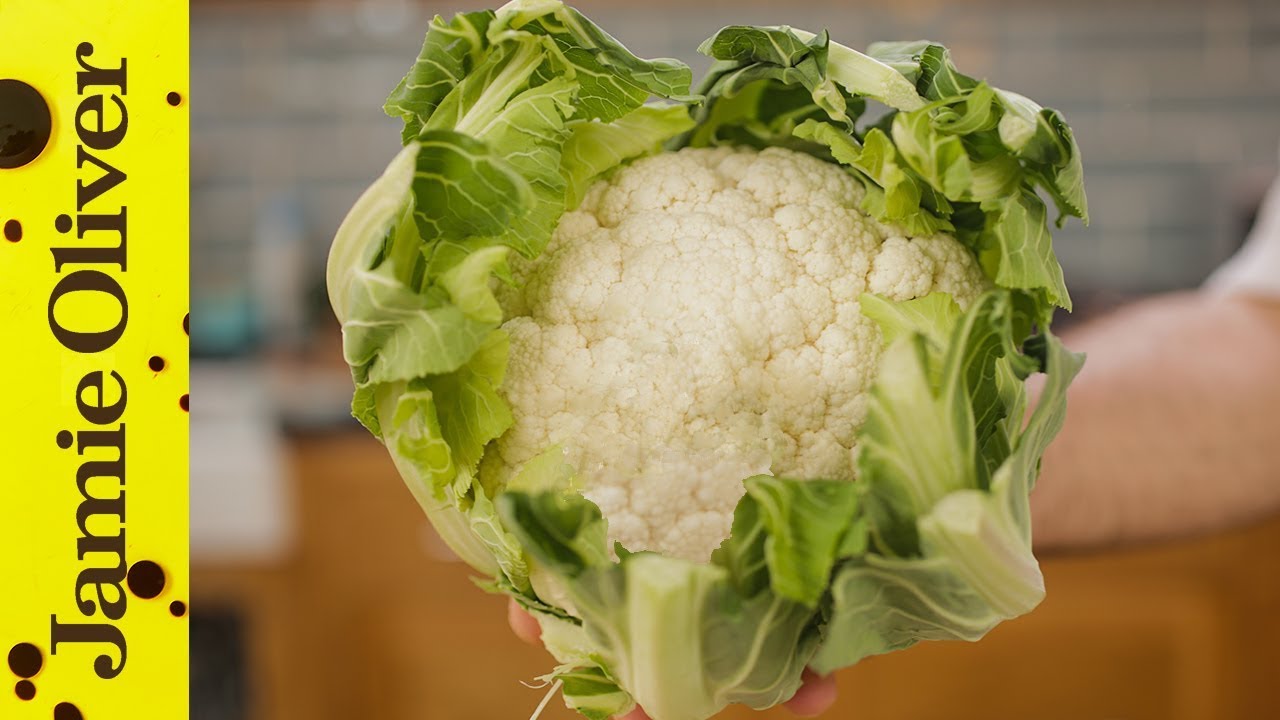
94,134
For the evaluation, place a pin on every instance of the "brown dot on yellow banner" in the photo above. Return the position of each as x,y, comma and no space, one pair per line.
13,231
145,579
156,363
64,439
62,223
66,711
25,690
173,99
25,117
25,660
177,608
186,323
184,402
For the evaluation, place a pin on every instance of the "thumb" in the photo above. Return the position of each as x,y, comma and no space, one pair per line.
816,695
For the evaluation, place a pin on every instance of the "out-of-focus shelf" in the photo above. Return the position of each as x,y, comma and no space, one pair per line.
367,618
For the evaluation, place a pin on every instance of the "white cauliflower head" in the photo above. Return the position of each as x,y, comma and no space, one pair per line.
695,322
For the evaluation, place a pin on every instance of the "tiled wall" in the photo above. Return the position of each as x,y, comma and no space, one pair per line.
1176,105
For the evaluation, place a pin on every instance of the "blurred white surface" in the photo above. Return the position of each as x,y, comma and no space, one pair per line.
1256,267
241,509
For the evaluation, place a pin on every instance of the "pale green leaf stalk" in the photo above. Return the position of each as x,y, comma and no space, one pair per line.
864,75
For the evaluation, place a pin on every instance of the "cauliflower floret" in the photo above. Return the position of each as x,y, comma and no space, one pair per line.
696,322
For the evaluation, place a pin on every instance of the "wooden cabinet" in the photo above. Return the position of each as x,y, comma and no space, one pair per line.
365,620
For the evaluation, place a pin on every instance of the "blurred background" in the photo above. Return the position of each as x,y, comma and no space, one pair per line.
321,592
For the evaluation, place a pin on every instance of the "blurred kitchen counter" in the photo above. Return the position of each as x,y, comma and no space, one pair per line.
368,616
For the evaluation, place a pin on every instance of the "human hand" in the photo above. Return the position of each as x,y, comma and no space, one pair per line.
816,695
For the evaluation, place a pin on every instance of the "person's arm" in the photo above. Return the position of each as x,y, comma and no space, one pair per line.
1173,426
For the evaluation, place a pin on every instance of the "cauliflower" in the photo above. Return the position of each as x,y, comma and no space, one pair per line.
591,311
696,322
